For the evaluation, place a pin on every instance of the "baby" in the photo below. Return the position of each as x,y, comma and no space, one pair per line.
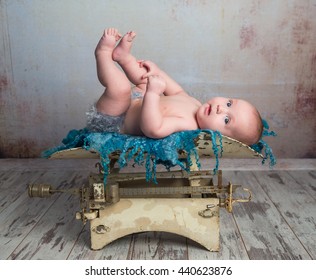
158,106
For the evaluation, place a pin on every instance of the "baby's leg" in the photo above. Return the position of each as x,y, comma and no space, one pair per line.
116,98
128,62
135,72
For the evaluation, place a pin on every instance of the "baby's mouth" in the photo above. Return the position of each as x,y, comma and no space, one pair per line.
208,110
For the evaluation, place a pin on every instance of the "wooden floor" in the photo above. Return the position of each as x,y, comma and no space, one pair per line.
279,223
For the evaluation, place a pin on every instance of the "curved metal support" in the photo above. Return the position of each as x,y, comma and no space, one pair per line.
179,216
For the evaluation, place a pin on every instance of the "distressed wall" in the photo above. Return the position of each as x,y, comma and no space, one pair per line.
263,51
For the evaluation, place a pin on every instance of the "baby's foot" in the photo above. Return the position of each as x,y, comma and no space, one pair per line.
108,40
124,47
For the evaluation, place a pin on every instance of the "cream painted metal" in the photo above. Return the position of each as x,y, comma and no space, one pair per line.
183,203
179,216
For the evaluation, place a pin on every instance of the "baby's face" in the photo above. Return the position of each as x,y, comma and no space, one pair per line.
232,117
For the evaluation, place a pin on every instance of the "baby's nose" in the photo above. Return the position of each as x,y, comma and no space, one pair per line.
220,109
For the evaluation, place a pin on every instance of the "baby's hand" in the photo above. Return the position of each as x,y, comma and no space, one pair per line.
156,84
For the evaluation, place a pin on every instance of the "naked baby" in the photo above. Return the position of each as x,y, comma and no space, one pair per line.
158,106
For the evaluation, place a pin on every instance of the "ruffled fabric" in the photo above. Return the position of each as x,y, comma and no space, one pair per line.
141,150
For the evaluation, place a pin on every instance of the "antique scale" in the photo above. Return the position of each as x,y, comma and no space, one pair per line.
184,203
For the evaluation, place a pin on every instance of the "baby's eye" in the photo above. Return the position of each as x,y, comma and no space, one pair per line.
226,120
229,103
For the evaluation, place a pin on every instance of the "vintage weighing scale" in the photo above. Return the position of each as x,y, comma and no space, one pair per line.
181,202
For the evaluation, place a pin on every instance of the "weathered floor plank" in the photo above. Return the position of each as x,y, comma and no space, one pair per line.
117,250
264,230
54,234
13,185
295,204
158,246
20,217
305,179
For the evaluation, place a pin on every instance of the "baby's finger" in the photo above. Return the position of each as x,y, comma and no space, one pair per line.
140,62
146,65
147,75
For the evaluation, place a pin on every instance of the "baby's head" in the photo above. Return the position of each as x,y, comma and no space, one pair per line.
235,118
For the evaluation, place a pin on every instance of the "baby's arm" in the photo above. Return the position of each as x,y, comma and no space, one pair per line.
172,87
153,123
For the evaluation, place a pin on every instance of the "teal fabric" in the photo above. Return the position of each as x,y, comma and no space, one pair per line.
140,150
150,152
